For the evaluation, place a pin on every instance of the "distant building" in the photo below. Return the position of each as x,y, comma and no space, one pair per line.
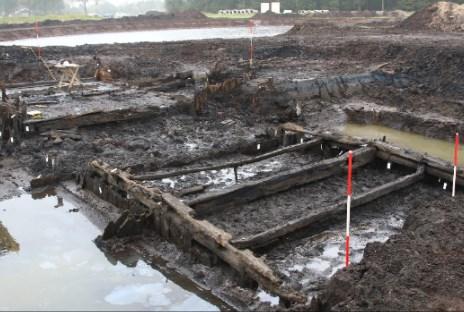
265,7
273,7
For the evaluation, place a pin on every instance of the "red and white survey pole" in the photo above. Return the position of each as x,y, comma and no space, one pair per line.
348,207
456,161
37,31
251,25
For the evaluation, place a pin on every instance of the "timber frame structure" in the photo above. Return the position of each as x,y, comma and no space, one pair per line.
184,224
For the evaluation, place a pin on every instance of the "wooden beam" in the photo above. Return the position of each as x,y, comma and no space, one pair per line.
91,119
341,139
249,191
272,235
218,240
233,164
120,180
434,166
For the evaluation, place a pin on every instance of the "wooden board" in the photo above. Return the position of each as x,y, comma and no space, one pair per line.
233,164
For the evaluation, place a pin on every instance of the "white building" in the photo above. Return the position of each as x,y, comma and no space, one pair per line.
265,7
274,7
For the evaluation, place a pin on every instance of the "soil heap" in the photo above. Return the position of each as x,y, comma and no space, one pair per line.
309,27
441,16
421,268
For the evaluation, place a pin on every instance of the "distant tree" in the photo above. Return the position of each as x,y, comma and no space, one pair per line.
44,6
85,5
8,6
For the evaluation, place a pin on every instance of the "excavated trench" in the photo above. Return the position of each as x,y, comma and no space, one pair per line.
288,208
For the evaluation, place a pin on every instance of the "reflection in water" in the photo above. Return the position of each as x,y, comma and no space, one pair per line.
60,268
419,143
151,36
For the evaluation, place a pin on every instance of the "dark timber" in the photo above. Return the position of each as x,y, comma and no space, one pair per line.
233,164
91,119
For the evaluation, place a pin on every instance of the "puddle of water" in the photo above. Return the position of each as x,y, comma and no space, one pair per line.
58,267
331,246
151,36
433,147
219,179
266,297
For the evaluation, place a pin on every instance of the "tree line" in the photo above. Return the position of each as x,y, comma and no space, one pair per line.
38,7
8,7
342,5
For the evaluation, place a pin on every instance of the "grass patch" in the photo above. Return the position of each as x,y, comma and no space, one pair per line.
41,18
228,16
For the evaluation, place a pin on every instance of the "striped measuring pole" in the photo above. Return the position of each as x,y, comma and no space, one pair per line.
348,207
456,161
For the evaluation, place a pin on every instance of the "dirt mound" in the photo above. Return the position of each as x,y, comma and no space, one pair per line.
418,269
308,27
441,16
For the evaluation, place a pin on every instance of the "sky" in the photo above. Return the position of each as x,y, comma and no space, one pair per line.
119,2
115,2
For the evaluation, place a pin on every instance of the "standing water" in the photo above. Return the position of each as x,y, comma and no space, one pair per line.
433,147
151,36
57,266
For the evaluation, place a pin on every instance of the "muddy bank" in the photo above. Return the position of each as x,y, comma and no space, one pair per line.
431,125
314,259
425,274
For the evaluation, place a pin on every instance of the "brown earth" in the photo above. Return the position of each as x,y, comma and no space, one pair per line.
419,269
441,16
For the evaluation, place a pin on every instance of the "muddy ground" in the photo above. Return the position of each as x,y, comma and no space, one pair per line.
428,249
316,77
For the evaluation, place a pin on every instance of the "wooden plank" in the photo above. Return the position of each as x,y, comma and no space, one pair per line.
270,236
233,164
341,139
434,166
91,119
249,191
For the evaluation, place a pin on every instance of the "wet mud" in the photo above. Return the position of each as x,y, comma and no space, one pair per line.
427,249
